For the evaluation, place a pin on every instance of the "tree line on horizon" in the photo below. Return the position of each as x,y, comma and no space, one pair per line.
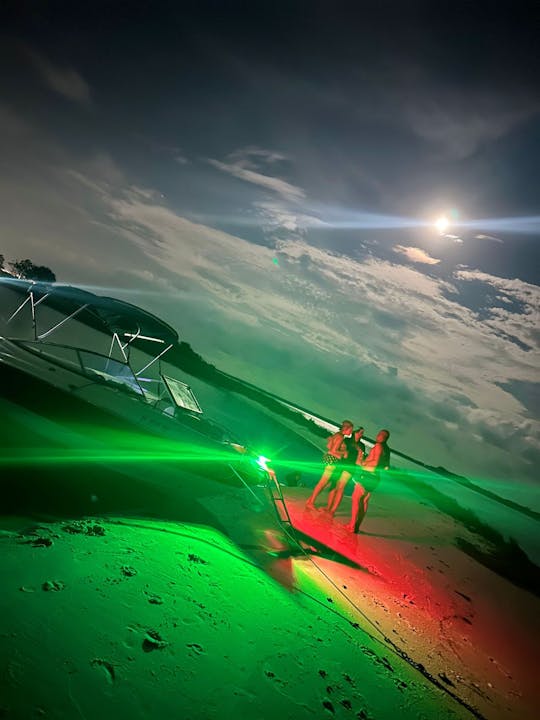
27,270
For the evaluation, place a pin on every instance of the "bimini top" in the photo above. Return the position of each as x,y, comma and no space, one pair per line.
102,313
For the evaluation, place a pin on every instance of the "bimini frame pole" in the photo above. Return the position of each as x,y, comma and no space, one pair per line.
17,311
69,317
33,306
122,347
154,360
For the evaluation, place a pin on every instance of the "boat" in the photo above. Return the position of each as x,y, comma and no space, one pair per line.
101,359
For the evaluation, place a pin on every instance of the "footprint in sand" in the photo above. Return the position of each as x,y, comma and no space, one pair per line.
128,571
153,641
154,599
53,586
108,669
80,527
38,542
327,705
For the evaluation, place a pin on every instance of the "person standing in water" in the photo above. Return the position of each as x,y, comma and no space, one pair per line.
336,450
378,459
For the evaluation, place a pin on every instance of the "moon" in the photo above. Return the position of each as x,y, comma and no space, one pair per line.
442,223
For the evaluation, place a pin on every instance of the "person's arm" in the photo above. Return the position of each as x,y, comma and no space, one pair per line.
372,460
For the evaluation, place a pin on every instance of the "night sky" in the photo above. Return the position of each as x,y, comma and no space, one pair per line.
267,177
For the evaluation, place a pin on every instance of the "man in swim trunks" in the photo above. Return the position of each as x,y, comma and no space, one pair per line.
356,451
378,459
336,450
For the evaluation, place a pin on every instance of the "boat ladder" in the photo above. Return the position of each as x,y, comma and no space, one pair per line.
280,506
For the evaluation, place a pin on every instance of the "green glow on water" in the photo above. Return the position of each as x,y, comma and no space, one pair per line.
37,441
125,448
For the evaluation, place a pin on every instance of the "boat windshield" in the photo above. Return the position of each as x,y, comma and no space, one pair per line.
94,365
109,370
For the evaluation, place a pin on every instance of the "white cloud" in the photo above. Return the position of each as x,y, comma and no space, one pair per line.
62,80
416,255
488,237
522,291
523,325
277,218
281,187
252,156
